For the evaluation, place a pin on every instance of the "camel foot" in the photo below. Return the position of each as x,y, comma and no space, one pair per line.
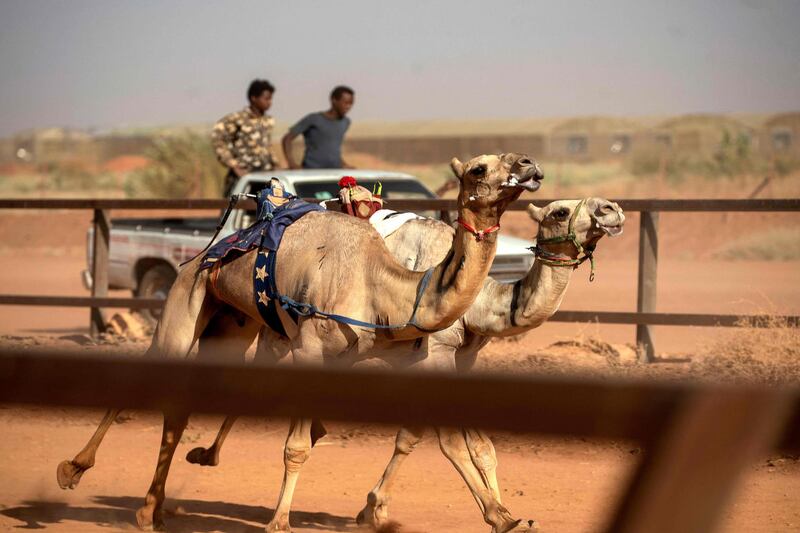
279,525
202,456
373,515
519,526
148,519
69,474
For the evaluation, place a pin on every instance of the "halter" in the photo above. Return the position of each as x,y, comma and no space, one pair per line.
551,259
480,234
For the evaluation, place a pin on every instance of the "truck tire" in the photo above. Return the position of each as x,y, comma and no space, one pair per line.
155,283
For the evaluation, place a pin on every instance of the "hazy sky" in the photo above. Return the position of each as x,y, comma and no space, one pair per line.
107,64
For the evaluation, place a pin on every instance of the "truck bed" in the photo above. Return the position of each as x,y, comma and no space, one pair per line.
181,226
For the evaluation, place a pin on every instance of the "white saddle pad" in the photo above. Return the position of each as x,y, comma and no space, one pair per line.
386,224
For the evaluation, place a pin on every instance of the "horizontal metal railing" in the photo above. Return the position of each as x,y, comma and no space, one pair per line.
643,318
628,204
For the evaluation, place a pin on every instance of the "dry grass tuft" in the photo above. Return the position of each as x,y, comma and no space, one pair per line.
765,355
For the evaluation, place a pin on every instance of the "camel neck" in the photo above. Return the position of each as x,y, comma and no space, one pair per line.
510,309
457,280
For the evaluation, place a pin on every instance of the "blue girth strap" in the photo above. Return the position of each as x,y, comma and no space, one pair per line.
266,294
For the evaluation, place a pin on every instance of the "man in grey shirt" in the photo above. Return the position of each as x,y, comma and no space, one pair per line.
323,133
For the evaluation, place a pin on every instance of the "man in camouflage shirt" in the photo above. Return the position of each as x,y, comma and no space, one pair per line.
242,140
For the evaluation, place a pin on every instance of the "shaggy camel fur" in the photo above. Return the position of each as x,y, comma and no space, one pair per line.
500,310
316,265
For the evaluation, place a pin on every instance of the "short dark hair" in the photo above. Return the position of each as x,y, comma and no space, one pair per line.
257,87
339,90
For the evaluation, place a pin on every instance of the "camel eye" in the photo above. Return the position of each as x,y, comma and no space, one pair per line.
480,170
561,214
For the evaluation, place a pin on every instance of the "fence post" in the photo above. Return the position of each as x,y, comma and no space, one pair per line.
100,244
686,468
648,267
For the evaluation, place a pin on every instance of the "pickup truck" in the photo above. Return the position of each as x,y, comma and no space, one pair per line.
144,253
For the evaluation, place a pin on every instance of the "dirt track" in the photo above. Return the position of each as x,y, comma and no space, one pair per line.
566,485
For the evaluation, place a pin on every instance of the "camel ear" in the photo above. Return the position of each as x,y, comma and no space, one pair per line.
536,213
457,167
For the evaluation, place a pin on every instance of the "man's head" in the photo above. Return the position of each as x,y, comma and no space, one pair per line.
342,99
260,94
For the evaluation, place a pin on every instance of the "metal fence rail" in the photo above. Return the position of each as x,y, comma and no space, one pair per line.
644,317
628,204
604,317
698,438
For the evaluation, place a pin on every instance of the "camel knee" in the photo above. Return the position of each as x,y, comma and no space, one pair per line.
453,446
174,425
406,443
483,457
295,455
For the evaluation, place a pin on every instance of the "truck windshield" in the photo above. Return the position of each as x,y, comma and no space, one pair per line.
328,189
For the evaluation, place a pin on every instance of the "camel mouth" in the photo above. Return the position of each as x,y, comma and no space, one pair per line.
527,182
611,231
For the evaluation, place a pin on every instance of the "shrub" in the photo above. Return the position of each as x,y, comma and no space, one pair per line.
184,166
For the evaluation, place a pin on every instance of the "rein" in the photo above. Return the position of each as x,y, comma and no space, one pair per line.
551,259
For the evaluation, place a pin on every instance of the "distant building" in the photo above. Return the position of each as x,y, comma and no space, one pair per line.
697,134
780,135
593,138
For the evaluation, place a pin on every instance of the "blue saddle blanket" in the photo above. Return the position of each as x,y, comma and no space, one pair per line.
270,226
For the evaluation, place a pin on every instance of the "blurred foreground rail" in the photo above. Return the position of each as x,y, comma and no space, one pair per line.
698,438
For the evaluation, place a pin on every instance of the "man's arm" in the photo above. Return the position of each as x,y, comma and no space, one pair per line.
222,140
345,164
286,143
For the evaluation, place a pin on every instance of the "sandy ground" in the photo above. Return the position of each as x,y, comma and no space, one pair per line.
566,485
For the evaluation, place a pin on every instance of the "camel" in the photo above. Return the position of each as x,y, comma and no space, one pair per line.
316,265
500,310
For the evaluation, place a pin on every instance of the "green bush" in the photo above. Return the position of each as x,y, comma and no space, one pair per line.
784,166
733,157
183,166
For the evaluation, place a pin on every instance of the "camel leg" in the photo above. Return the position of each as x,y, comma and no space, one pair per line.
68,472
265,356
295,453
185,314
376,512
454,446
210,456
481,450
227,337
149,516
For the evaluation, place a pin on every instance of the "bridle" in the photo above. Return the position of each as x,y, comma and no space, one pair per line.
552,259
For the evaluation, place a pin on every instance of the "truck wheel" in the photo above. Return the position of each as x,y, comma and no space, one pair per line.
155,283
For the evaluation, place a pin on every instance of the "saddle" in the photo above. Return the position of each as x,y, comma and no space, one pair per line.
357,201
277,210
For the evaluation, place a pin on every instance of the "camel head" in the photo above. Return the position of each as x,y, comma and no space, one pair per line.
565,224
496,180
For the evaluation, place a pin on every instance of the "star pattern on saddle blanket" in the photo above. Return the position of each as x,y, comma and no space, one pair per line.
262,297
